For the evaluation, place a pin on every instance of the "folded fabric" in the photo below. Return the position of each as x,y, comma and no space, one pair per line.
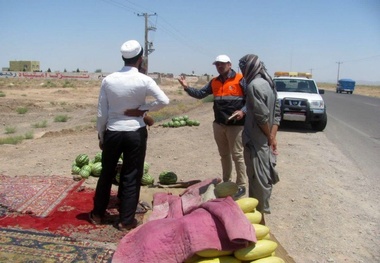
168,205
217,224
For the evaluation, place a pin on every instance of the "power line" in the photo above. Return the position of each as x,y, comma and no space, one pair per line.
170,30
123,6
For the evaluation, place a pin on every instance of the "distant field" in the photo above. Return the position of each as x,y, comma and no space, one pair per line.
366,90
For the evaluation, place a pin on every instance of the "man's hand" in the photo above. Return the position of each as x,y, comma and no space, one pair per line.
274,146
238,114
148,120
182,81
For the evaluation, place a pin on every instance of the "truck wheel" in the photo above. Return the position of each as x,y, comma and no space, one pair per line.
320,125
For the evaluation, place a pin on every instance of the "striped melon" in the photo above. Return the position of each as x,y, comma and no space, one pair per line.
84,173
75,169
98,157
96,169
168,177
146,167
147,179
86,167
225,189
82,159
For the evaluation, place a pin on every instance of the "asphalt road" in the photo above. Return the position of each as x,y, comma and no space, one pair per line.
354,126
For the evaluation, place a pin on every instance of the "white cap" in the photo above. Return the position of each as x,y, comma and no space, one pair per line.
222,58
130,49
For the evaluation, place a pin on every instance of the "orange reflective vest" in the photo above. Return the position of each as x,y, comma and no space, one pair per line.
228,97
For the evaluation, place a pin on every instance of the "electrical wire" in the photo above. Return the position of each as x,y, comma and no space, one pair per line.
165,27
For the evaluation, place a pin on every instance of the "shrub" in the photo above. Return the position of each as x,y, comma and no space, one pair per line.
61,118
11,140
9,130
29,135
22,110
41,124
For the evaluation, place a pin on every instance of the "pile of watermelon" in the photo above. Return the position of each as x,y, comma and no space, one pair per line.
147,179
83,167
180,121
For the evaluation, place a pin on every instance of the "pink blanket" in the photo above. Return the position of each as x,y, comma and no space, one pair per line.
218,224
172,206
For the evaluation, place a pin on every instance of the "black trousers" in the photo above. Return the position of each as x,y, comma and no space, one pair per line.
133,146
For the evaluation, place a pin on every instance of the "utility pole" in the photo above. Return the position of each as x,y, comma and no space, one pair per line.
148,46
339,62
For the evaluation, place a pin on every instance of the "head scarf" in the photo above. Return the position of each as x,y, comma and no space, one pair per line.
251,66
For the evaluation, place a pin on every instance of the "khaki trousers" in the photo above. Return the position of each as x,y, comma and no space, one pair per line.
228,138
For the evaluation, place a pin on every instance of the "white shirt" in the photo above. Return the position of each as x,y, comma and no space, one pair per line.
122,90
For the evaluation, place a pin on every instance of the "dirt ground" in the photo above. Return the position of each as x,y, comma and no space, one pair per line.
322,210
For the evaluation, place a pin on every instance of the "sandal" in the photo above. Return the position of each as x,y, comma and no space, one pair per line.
122,227
94,219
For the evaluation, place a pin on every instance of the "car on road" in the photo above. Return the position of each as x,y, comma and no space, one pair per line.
300,99
345,85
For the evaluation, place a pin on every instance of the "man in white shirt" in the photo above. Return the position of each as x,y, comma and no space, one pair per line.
121,130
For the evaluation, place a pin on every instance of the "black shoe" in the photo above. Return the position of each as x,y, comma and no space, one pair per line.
240,192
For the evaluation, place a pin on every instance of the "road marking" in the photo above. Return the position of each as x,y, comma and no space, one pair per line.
371,104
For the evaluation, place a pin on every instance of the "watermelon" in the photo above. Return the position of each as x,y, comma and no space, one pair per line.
75,169
225,189
147,179
117,178
84,173
183,123
196,123
82,159
98,157
146,167
96,169
168,177
86,167
190,122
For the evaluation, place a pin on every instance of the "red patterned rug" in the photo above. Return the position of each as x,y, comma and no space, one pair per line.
34,195
70,219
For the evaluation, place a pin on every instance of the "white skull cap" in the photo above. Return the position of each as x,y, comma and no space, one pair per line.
130,49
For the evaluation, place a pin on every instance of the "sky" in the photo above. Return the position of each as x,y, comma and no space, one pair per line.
330,39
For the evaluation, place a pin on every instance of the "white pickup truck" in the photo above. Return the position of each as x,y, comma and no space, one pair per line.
301,101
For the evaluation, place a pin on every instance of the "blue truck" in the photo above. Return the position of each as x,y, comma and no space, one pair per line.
345,85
